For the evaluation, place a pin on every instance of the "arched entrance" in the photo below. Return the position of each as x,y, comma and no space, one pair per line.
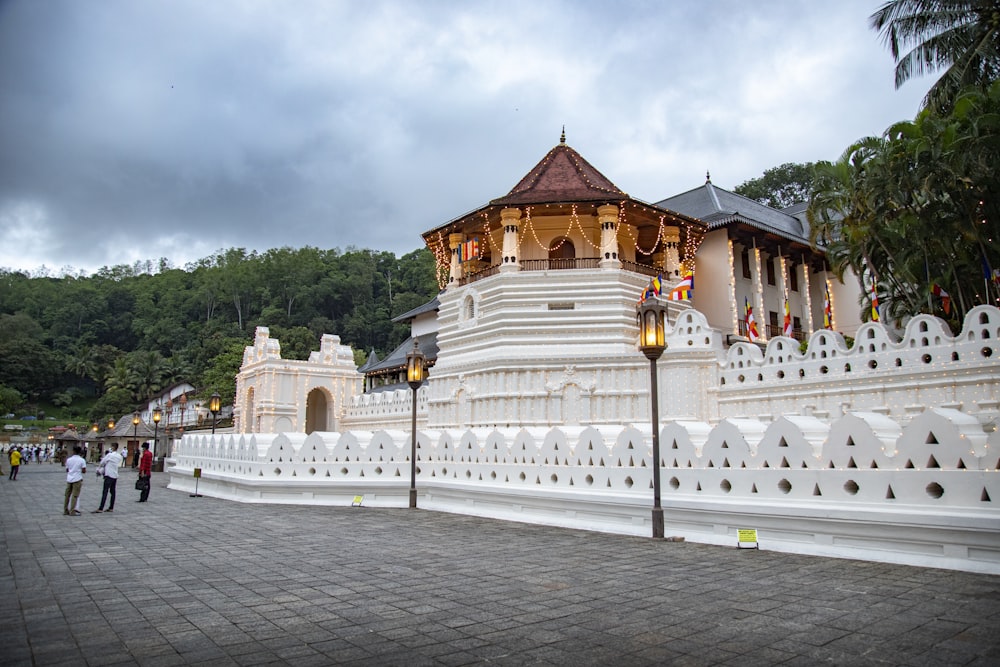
316,411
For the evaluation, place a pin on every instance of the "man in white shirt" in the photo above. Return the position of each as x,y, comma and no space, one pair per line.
109,468
76,466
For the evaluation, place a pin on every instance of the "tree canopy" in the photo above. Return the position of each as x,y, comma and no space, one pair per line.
127,332
917,209
780,186
959,38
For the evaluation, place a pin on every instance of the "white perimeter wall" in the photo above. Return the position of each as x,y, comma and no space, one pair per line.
860,487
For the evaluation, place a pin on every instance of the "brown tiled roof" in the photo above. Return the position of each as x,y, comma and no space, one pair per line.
562,176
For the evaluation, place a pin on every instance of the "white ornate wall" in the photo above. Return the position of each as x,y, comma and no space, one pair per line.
888,450
862,486
272,393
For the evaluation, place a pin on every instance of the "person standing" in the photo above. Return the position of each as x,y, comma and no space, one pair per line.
76,466
145,471
109,468
15,462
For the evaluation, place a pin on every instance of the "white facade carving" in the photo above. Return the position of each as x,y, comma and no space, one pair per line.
885,461
537,407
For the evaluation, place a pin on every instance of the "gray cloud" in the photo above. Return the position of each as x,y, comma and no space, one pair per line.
136,130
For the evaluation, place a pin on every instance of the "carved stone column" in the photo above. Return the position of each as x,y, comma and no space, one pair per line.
671,243
455,243
607,217
511,219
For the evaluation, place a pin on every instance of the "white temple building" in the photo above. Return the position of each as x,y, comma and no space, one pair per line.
883,445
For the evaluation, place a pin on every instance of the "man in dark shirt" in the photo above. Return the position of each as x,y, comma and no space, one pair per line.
145,471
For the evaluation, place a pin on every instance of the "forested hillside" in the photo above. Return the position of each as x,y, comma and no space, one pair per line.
126,332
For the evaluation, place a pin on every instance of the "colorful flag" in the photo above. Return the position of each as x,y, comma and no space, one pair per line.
827,309
786,330
751,325
684,289
990,273
469,250
875,317
657,284
944,296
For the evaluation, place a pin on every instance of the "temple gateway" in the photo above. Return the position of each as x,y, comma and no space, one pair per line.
828,435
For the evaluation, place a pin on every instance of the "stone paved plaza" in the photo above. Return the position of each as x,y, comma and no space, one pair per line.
200,581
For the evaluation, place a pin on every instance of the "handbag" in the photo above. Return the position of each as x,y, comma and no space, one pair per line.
141,483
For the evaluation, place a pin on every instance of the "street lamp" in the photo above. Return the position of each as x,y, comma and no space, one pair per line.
416,373
183,400
135,436
157,416
214,405
169,434
652,314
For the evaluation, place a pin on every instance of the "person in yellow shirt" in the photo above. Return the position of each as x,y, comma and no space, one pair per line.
15,462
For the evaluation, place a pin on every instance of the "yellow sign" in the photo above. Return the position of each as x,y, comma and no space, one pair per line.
197,473
357,501
747,534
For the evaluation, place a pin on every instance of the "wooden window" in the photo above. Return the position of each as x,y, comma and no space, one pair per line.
745,258
770,271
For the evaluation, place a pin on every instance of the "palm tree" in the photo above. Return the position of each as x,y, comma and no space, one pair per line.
960,37
121,377
916,208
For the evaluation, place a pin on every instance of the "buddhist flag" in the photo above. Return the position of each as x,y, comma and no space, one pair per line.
751,325
684,289
787,328
652,289
657,284
944,296
827,309
469,250
875,317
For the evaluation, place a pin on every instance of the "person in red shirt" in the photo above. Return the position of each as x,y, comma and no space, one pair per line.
145,471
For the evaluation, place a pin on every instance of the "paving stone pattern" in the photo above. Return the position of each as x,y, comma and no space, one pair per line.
201,581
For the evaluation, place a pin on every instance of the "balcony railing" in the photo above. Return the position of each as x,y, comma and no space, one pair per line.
559,264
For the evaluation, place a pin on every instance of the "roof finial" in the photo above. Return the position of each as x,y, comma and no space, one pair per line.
708,177
562,137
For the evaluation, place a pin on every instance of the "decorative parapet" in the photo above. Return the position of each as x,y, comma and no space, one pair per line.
865,486
927,366
385,409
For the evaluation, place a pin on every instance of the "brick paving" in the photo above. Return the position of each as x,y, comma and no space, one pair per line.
200,581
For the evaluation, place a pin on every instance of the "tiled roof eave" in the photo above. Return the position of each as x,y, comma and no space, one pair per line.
756,224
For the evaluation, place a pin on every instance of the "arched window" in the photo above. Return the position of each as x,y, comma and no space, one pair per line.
470,308
562,248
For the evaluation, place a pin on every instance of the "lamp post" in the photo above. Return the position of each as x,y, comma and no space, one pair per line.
416,372
157,416
169,433
135,436
652,314
214,405
183,400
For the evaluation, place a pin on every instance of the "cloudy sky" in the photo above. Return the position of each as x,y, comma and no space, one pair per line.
141,129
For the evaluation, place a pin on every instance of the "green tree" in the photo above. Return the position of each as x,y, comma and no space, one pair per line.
917,207
780,186
221,374
960,38
10,399
112,405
